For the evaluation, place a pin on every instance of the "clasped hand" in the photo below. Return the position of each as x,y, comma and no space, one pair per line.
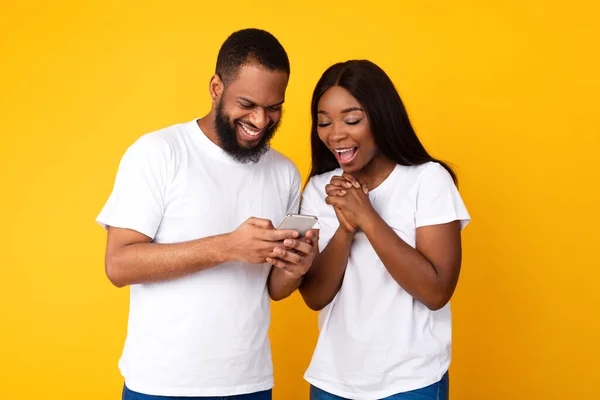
350,199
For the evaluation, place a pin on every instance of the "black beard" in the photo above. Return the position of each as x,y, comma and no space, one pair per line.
228,141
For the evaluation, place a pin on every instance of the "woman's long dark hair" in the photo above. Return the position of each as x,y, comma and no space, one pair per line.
393,133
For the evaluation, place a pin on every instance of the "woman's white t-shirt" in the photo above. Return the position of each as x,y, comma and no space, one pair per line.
376,339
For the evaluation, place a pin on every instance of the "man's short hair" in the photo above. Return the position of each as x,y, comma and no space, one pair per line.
250,46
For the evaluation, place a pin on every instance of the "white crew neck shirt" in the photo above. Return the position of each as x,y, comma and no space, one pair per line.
205,334
375,339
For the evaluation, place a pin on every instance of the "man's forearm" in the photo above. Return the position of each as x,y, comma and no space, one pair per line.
153,262
282,284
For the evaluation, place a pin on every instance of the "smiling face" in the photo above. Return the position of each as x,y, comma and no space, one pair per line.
248,111
343,126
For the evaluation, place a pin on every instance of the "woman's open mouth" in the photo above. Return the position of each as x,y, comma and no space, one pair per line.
345,155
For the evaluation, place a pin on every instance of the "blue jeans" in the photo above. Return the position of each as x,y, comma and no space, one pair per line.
131,395
437,391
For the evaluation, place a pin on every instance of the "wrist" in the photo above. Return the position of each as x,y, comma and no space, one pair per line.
369,221
225,251
293,277
345,233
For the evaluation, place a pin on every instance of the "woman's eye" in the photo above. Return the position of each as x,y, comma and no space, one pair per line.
323,124
353,122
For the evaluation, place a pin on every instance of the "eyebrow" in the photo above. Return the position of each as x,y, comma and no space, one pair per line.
253,102
344,111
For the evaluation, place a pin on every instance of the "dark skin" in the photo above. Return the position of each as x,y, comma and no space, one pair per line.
428,272
255,98
291,260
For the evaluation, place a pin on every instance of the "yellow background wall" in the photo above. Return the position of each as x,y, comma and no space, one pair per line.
506,90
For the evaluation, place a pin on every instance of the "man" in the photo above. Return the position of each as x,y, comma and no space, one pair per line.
190,228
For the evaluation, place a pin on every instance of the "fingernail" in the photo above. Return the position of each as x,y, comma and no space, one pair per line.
343,192
347,184
356,184
277,251
288,242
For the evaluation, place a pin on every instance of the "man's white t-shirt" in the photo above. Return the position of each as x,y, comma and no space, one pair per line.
205,334
375,339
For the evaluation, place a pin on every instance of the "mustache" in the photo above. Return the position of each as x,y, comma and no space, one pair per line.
251,125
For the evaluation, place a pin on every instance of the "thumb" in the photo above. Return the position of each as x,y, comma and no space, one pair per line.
313,234
260,223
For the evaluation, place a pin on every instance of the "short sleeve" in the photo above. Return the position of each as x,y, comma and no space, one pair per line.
137,198
438,199
294,200
310,206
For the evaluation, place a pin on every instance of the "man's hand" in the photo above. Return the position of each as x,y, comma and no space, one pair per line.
296,255
256,239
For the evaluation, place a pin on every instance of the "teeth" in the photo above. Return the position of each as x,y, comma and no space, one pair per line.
248,131
340,151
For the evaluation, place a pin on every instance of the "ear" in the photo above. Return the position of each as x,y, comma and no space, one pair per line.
215,88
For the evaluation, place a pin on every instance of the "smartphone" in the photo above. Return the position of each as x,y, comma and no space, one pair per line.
298,222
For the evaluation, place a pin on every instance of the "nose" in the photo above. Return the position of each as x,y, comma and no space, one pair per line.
259,118
338,133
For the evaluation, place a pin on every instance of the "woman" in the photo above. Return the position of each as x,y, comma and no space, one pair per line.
390,217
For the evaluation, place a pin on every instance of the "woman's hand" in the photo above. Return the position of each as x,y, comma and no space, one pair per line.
350,200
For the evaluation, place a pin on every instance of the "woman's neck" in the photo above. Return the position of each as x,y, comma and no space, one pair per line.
375,172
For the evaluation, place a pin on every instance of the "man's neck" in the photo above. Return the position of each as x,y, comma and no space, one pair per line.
207,125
